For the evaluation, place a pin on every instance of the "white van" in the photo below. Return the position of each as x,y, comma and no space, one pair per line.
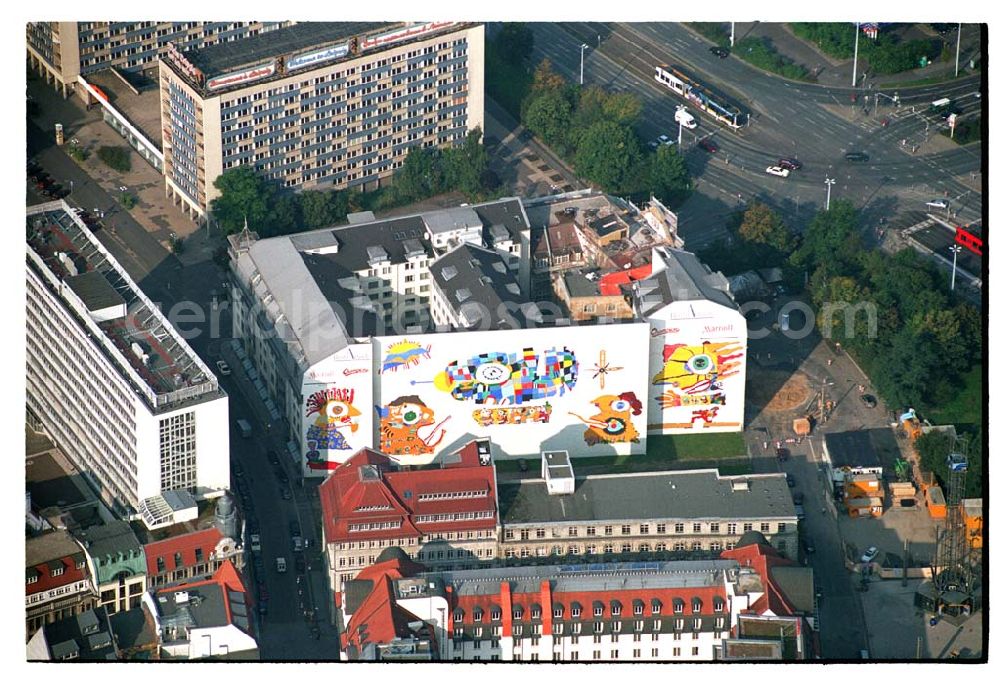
281,565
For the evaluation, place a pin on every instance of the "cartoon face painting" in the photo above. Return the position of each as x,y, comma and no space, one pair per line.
502,378
404,354
335,415
698,367
400,426
613,420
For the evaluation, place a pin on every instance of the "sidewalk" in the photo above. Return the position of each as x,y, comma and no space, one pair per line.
154,212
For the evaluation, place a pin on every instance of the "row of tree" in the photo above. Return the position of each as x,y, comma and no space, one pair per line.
248,197
596,131
936,446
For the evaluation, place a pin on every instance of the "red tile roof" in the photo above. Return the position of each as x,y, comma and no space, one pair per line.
345,494
227,577
379,615
45,553
761,558
46,581
610,284
185,544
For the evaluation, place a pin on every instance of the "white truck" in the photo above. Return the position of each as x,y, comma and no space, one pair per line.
686,119
281,565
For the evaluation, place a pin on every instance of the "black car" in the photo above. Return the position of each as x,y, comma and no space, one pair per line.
810,547
856,156
789,163
720,52
237,469
798,498
300,563
707,144
790,480
286,493
293,529
946,113
273,458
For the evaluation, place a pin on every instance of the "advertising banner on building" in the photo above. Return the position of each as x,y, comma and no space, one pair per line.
315,57
242,77
580,388
414,31
697,367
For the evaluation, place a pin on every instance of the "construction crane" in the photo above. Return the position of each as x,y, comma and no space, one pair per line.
953,573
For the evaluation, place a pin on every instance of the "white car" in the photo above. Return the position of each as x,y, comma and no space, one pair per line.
940,203
870,554
777,171
661,140
224,369
255,542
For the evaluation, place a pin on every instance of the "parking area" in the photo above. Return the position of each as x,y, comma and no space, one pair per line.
898,530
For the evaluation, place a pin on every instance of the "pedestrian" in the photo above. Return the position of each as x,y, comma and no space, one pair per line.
829,362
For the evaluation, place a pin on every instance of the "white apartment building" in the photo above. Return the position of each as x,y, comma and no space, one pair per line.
112,382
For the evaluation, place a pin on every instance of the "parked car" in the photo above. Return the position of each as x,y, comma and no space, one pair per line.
237,469
720,52
281,475
707,144
280,565
777,171
870,554
798,498
808,544
300,563
286,493
939,203
856,156
293,529
661,140
255,542
790,480
789,163
223,367
272,457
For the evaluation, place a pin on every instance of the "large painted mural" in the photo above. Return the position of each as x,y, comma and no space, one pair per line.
337,416
697,372
576,388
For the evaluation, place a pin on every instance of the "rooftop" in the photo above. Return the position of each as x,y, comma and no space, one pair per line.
678,275
123,323
688,494
480,286
114,539
860,448
227,56
213,601
86,636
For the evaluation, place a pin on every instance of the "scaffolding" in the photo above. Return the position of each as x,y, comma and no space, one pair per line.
953,584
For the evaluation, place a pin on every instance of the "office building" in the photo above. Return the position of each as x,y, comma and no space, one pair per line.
58,579
112,382
329,105
62,51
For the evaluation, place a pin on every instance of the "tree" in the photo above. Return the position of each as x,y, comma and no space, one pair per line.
904,372
624,108
464,165
548,115
668,177
546,79
321,208
515,42
245,198
762,225
420,176
609,154
832,238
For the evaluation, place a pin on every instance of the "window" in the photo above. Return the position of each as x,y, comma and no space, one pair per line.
657,607
677,636
747,526
719,605
608,531
536,612
694,651
459,616
477,616
614,653
616,609
198,555
626,530
643,528
608,548
678,624
597,654
696,528
591,531
677,651
574,655
720,622
558,612
598,610
518,614
572,531
539,533
638,609
524,534
731,528
575,611
656,625
495,614
655,652
696,606
697,624
717,635
694,636
678,528
557,628
636,653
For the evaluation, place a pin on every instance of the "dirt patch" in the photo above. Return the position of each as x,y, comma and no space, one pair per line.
779,390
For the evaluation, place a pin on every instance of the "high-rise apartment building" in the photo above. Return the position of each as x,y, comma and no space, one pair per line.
317,104
112,382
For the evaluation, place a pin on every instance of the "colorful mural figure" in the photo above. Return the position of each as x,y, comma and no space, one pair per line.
513,415
335,412
674,399
698,368
400,424
601,368
404,354
613,420
510,378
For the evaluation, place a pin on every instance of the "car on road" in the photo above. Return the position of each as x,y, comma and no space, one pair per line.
708,145
798,498
314,631
223,367
286,493
939,203
293,529
297,544
808,544
720,52
661,140
790,479
262,607
262,592
280,565
777,171
255,542
870,554
856,156
300,563
281,475
272,457
789,163
237,469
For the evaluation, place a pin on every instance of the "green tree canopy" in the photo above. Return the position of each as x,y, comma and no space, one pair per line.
322,207
548,115
609,155
761,225
465,164
515,42
832,238
668,176
245,197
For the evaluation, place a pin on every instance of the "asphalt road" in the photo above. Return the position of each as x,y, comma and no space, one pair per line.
815,124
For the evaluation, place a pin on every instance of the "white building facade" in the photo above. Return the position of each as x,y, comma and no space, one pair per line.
109,378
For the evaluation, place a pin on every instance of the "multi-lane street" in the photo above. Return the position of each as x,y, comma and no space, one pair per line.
815,124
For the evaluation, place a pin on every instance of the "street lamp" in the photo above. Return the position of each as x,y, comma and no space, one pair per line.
958,48
582,47
857,31
829,184
954,249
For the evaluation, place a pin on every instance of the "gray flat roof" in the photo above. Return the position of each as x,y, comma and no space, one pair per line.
95,291
50,546
208,612
682,278
689,494
110,539
226,56
480,280
860,448
578,285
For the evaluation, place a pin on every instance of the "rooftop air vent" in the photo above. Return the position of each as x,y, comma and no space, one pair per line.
463,295
449,272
